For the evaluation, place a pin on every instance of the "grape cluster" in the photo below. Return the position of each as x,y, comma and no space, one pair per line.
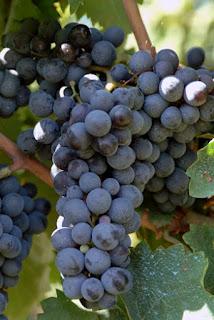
52,58
21,216
114,146
110,149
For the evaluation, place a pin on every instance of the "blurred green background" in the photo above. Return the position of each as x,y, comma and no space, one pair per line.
176,24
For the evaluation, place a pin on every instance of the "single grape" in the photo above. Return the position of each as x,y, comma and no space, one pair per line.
142,148
103,53
98,123
156,184
84,60
178,199
195,57
10,84
80,36
155,153
186,75
67,52
41,103
134,224
177,182
137,123
10,246
74,73
171,118
117,280
62,238
206,110
26,142
72,286
158,133
125,176
97,164
75,210
105,236
122,159
102,100
115,35
124,136
164,166
119,255
77,167
141,61
26,68
154,105
40,204
163,68
70,261
62,157
161,196
98,201
147,123
168,55
148,82
89,181
121,210
12,204
176,149
62,182
97,261
55,70
121,116
195,93
92,289
48,28
62,107
46,131
190,115
171,88
185,136
120,72
111,185
132,193
77,135
187,159
106,145
81,233
124,96
74,192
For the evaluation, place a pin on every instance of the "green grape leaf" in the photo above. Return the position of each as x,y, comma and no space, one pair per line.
62,308
17,13
201,173
34,280
74,5
99,13
168,284
201,238
48,7
38,9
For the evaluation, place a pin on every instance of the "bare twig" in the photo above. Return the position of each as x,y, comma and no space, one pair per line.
138,27
21,161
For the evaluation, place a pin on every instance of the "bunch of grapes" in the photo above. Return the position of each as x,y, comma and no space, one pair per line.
110,149
21,216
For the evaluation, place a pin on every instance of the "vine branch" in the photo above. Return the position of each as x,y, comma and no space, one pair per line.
138,27
21,161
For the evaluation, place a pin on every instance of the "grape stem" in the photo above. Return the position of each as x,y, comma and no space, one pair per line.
22,161
138,27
